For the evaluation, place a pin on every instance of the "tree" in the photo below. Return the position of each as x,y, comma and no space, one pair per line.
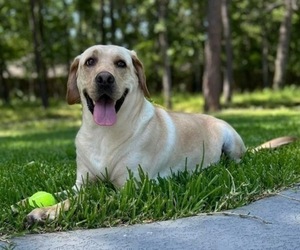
212,68
265,53
283,46
36,25
14,42
164,46
265,35
108,36
169,47
4,91
228,72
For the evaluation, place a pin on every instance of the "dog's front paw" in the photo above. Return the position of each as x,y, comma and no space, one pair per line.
41,215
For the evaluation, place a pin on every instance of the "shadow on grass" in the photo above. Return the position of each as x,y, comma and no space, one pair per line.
255,129
39,146
266,104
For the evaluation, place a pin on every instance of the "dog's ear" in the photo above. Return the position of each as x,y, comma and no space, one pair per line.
73,95
140,73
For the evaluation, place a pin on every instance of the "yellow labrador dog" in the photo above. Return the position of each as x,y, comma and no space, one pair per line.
121,129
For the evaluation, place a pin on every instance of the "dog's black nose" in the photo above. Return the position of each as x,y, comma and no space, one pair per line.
104,78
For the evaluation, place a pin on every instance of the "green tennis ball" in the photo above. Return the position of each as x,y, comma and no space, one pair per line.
41,199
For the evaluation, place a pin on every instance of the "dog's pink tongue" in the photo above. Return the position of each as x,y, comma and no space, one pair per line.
105,113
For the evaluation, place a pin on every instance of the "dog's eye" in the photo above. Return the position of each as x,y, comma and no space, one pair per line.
120,64
90,62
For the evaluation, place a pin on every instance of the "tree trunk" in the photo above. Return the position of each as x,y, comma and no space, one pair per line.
112,22
228,73
36,28
265,53
283,46
4,88
102,25
212,67
163,44
67,38
268,8
197,62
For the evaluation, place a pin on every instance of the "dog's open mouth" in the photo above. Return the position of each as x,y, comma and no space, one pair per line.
105,109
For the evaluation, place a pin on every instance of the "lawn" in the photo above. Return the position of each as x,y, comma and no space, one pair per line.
37,153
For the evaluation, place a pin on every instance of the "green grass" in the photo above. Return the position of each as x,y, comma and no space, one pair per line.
37,153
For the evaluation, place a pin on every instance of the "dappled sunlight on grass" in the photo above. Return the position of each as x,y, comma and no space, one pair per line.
25,112
267,98
256,126
183,102
34,126
26,119
257,101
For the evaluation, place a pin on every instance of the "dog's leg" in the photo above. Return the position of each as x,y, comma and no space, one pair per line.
233,145
42,214
23,202
50,213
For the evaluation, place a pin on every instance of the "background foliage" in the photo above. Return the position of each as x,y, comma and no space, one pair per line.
67,27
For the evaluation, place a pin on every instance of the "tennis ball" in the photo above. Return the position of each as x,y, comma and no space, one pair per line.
41,199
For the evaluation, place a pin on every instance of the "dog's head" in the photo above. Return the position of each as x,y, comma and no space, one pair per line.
103,76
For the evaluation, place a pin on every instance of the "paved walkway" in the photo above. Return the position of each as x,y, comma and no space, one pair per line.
273,223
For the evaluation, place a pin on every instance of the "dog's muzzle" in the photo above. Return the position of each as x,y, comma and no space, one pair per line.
105,108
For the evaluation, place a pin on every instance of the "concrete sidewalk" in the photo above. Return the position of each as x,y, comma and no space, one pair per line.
275,224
